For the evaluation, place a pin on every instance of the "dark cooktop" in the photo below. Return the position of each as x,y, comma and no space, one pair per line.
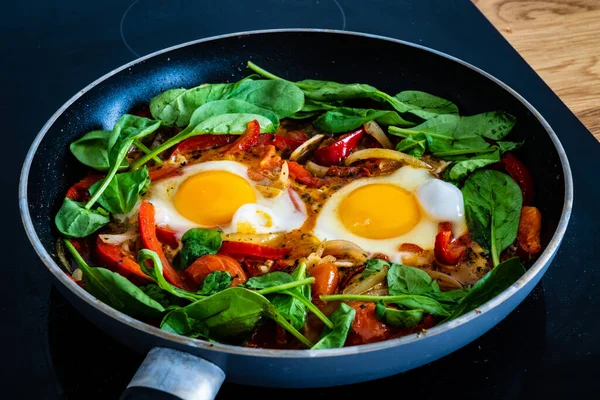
548,347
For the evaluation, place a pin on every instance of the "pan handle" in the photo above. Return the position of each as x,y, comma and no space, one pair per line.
175,373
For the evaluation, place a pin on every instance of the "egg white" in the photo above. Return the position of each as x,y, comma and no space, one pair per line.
285,216
329,226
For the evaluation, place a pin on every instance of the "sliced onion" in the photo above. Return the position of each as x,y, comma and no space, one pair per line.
328,259
255,238
345,250
388,154
373,129
306,147
361,286
61,253
345,263
269,191
284,175
316,169
118,239
445,279
377,291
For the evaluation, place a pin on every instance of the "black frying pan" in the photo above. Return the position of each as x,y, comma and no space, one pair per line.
388,64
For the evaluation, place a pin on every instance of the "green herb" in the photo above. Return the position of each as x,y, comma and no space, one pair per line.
215,282
333,338
232,106
425,105
290,306
115,290
492,125
344,119
268,280
408,301
198,242
281,97
493,208
92,150
373,266
74,220
123,191
492,284
231,314
398,318
462,168
415,145
409,280
509,146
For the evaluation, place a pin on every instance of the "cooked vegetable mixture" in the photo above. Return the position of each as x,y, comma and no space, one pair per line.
298,215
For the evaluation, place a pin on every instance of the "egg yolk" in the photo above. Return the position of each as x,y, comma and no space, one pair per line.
379,211
211,198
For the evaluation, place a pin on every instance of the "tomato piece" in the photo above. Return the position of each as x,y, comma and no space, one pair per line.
530,225
300,174
280,142
203,142
119,260
411,248
167,237
366,328
240,250
344,172
446,250
248,139
79,191
326,281
340,149
206,264
150,242
298,135
517,170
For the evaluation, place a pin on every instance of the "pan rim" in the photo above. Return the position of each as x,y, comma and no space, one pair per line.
544,259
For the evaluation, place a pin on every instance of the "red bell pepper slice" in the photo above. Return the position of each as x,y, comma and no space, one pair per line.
446,250
517,170
247,140
280,142
340,149
300,174
298,135
203,142
167,237
164,171
79,191
240,250
150,242
120,261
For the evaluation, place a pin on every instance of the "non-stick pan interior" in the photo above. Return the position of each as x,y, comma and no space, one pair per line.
387,65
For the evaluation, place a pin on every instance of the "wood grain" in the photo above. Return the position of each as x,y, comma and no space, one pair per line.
560,39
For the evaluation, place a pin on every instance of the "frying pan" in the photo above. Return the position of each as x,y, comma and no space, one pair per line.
190,368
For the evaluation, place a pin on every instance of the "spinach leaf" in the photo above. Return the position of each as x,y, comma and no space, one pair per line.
231,106
407,301
373,266
344,119
425,105
313,107
509,146
176,106
288,305
492,125
492,284
398,318
493,208
198,242
409,280
215,282
281,97
74,220
462,168
115,290
230,314
153,291
156,273
123,191
268,280
92,150
415,145
332,91
335,338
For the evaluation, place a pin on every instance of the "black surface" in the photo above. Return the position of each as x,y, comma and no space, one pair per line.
547,347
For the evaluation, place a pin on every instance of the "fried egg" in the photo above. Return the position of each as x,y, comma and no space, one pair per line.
381,213
220,194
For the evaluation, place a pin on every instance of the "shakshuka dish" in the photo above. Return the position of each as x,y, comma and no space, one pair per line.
298,215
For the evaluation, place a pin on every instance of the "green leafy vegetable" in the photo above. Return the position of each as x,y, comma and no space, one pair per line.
462,168
268,280
289,306
398,318
344,119
493,209
415,145
373,266
425,105
333,338
198,242
123,191
407,301
509,146
492,125
281,97
492,284
115,290
231,106
215,282
231,314
74,220
409,280
92,150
